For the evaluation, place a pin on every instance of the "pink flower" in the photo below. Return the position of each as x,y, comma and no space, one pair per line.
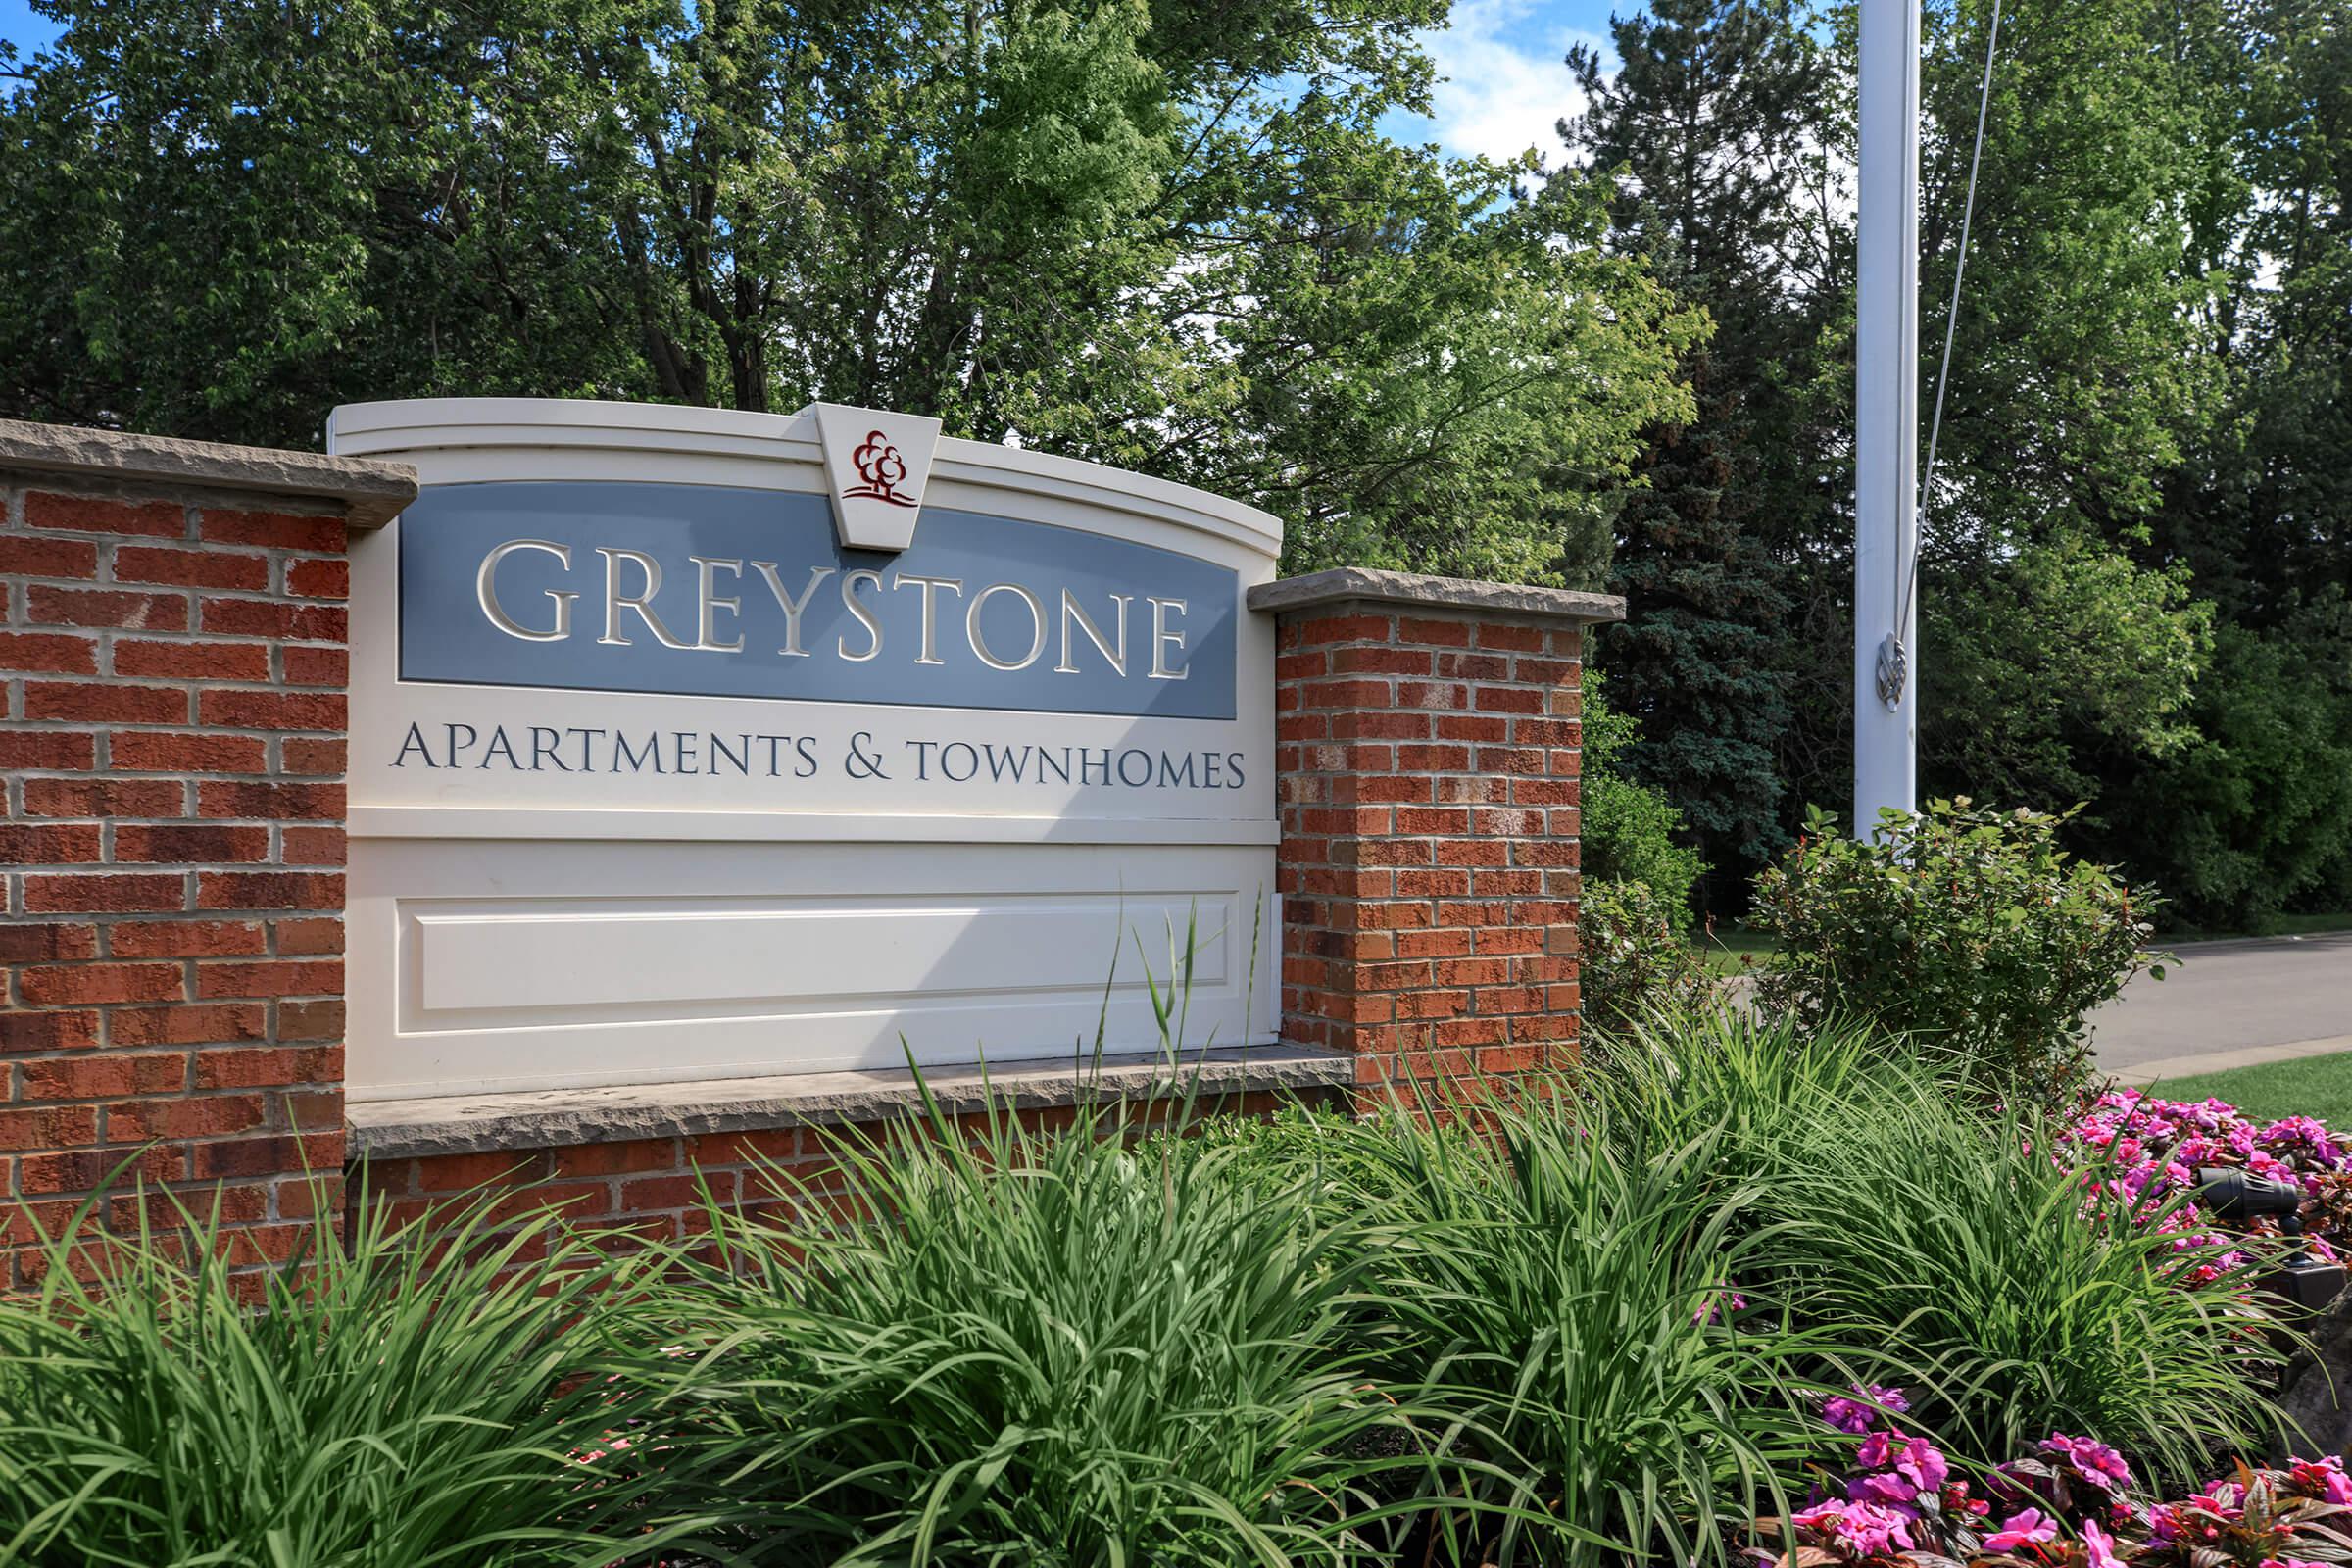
2023,1529
1856,1414
1875,1451
2323,1479
1725,1299
1885,1491
2093,1461
1923,1465
1868,1529
1960,1505
2098,1547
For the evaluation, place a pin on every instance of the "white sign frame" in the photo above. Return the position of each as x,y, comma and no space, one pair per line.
463,882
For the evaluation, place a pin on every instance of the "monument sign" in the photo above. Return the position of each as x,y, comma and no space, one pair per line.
693,744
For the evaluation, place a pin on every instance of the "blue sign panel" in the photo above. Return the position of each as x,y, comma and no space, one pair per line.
746,593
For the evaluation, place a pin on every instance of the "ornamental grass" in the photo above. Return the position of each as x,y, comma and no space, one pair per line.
2014,1295
1984,1258
1071,1347
385,1403
1600,1324
1580,1317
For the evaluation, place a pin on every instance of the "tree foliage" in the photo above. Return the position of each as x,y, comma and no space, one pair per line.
1169,237
2253,815
2142,457
1174,237
2057,663
1629,831
1703,126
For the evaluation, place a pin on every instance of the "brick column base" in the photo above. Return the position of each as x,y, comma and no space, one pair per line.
171,652
1427,749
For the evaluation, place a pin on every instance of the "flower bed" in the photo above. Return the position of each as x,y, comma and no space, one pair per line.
2074,1504
2154,1149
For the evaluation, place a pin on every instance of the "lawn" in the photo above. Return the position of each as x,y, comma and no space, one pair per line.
2319,1087
1727,949
2283,925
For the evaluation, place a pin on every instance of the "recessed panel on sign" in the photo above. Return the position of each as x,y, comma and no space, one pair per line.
705,591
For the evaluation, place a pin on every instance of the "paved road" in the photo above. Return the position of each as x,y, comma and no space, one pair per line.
2231,1004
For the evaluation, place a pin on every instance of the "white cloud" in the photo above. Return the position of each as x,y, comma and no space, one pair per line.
1505,84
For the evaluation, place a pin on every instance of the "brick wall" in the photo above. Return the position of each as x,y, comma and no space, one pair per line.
1428,759
173,756
173,664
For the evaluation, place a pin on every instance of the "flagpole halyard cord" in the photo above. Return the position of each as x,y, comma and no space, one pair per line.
1909,579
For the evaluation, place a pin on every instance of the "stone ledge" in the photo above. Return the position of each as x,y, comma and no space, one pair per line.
472,1124
1361,585
371,491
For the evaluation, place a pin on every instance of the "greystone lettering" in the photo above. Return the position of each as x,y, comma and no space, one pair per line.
980,611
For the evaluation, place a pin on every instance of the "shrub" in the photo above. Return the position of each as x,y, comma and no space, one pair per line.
1051,1350
384,1405
1581,1315
1629,829
1633,961
1969,931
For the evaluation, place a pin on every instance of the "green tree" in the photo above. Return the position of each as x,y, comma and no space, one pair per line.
2080,369
1629,831
1165,236
1710,127
2063,664
2259,510
2253,815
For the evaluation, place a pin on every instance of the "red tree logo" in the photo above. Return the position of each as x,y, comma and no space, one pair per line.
879,465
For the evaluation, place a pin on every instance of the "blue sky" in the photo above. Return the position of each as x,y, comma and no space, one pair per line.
1506,84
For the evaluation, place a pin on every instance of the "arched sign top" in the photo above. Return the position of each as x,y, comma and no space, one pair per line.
460,439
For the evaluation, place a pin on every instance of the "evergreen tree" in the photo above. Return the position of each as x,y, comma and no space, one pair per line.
1712,129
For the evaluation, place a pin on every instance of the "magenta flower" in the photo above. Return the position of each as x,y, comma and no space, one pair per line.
1821,1519
1857,1414
2323,1479
2023,1529
2093,1461
1958,1505
2220,1498
1872,1531
1923,1465
2098,1547
1883,1491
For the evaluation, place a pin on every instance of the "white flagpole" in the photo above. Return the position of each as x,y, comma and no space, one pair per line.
1887,416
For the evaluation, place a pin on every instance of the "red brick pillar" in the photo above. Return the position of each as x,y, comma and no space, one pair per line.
172,649
1427,748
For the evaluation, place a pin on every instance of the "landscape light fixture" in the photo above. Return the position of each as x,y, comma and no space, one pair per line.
2237,1196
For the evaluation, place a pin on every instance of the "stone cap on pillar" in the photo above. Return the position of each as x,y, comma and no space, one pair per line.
371,492
1410,590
